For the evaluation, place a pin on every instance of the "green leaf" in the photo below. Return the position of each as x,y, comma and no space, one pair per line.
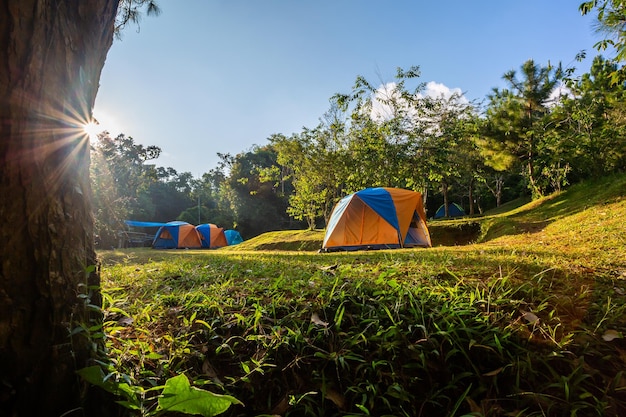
95,376
179,396
154,355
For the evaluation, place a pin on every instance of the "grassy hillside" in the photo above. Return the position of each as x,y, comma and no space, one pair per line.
548,221
296,240
514,313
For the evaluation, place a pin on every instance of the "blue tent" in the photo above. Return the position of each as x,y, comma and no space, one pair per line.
454,210
233,237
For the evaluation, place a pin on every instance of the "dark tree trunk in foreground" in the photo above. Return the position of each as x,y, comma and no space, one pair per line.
51,56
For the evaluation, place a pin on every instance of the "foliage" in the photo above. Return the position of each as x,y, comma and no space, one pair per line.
176,395
518,118
592,122
210,193
118,172
257,203
530,322
179,396
127,187
387,128
130,11
315,159
610,16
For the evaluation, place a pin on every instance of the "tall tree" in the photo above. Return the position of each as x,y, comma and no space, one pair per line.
316,171
386,129
446,151
592,122
255,200
52,53
213,205
517,116
120,179
169,194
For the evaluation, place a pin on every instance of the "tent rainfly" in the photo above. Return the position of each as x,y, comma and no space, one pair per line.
377,218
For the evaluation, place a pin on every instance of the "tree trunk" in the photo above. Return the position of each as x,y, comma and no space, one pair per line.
496,190
531,178
444,191
52,53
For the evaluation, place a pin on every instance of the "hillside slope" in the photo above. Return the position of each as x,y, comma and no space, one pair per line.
590,213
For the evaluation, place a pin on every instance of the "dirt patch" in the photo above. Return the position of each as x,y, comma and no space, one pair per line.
454,234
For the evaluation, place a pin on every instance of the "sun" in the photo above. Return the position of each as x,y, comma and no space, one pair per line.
92,129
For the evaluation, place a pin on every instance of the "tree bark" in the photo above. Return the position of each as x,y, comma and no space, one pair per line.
471,196
51,56
444,192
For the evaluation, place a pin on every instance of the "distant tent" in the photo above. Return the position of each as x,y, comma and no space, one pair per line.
454,210
376,218
177,235
211,236
233,237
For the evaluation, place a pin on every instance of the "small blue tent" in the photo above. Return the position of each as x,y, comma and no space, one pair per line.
233,237
454,210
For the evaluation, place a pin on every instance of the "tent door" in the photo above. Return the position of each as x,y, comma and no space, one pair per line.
415,235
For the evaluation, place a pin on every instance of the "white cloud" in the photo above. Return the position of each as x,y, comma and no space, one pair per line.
380,110
561,91
386,92
438,90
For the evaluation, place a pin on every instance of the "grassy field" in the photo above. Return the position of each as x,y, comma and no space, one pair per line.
515,313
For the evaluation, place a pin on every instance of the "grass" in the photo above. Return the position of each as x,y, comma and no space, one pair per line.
290,240
527,320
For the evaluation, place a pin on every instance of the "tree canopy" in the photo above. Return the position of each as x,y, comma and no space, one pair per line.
543,131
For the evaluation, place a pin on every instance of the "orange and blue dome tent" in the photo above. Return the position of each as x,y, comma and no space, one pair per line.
211,236
177,235
378,218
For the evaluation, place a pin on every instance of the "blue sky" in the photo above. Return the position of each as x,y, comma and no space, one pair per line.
210,76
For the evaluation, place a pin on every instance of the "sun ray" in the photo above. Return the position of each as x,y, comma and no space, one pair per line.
92,129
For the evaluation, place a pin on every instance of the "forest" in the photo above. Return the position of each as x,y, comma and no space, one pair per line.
547,129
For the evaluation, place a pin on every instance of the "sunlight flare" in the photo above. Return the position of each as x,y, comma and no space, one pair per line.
92,129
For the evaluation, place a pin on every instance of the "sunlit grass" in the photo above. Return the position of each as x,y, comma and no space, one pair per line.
530,321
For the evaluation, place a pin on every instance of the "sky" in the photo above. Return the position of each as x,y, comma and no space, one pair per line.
209,76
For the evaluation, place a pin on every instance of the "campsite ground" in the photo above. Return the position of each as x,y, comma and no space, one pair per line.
518,312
